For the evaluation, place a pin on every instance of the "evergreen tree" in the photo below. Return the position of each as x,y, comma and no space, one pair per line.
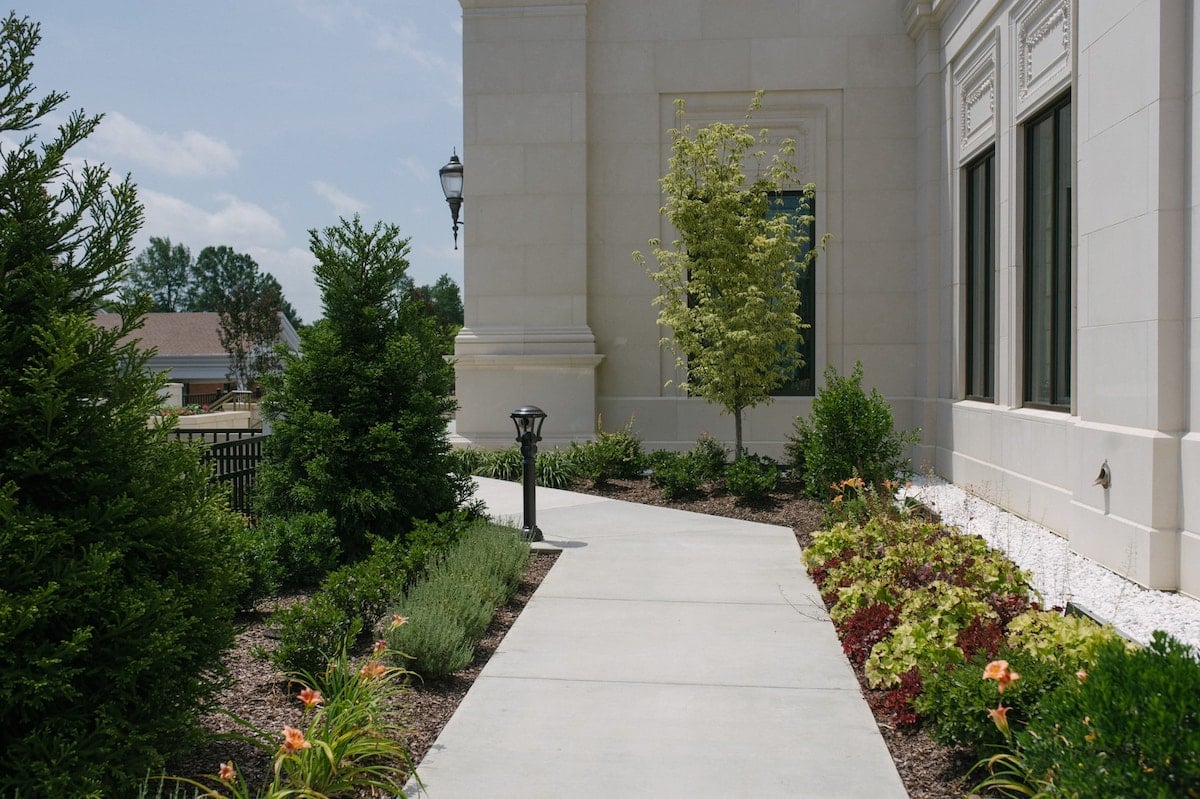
728,284
118,579
217,272
164,271
359,421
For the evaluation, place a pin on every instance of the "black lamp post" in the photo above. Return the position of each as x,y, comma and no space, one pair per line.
528,420
452,186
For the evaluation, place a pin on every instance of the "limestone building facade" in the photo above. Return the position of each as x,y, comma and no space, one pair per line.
1010,190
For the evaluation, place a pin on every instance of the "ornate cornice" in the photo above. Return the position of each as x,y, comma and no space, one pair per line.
921,15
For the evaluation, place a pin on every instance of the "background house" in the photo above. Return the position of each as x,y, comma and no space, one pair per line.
188,348
1011,193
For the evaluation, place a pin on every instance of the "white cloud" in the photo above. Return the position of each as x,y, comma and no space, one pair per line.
245,227
343,204
190,154
235,222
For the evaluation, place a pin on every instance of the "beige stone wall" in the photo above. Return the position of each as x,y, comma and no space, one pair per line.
566,108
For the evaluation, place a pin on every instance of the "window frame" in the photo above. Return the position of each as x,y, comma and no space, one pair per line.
803,381
980,378
1054,269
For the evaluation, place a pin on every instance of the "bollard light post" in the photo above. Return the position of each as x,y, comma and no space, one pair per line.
528,420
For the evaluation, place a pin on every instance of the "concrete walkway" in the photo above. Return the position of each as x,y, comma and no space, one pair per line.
666,654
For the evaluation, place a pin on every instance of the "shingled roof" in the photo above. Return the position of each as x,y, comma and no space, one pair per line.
176,333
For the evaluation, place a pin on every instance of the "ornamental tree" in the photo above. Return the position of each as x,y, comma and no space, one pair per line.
120,571
359,420
728,288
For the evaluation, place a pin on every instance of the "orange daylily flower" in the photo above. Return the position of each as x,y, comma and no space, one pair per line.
999,671
380,647
293,740
310,697
372,669
999,715
398,620
226,772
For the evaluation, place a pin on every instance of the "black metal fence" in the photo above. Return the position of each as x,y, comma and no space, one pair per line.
234,456
206,398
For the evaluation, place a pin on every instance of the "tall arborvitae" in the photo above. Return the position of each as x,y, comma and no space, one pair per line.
117,573
359,419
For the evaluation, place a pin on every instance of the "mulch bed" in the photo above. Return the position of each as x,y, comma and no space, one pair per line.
261,695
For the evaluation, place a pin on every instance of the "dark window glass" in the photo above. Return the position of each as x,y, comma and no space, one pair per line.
1048,321
802,381
981,291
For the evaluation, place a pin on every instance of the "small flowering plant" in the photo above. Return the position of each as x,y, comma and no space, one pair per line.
348,741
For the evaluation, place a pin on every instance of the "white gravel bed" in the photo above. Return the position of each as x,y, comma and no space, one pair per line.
1061,576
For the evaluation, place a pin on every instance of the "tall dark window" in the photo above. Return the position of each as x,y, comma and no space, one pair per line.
1048,321
802,381
981,287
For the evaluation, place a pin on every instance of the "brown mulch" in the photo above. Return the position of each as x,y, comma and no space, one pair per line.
261,694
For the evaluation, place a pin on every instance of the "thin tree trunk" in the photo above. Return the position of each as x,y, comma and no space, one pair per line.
737,434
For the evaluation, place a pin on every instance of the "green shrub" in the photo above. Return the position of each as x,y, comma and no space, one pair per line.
433,644
449,609
494,551
1131,728
608,456
307,546
711,457
555,468
849,433
675,474
751,478
956,699
353,599
312,633
464,599
348,604
429,541
121,566
359,418
260,561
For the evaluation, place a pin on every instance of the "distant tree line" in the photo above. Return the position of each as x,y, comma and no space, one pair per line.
249,301
215,278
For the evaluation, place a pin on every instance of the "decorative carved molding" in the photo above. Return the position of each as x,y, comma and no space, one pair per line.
976,83
1042,30
971,123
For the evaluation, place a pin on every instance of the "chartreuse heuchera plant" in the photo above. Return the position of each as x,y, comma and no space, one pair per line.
1053,705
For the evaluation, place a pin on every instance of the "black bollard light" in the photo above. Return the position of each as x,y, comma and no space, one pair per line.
528,420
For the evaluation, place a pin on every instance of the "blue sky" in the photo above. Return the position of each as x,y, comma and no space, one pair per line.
250,122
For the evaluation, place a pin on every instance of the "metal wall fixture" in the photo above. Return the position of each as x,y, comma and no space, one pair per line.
451,176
